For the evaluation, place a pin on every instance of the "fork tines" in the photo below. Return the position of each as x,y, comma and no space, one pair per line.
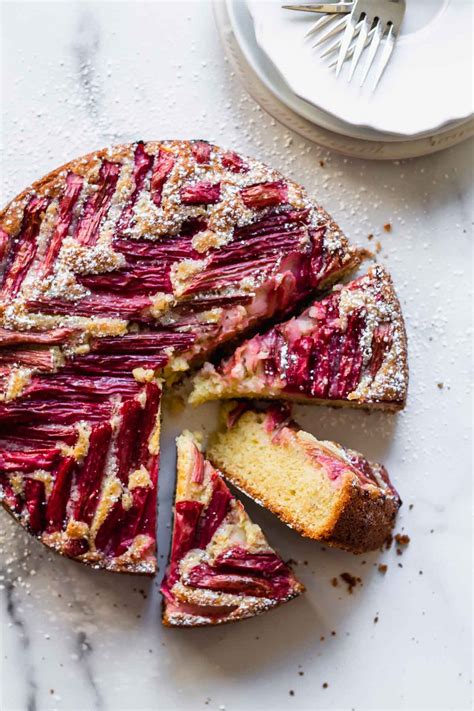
373,25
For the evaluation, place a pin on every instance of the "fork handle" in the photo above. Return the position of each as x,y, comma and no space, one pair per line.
340,8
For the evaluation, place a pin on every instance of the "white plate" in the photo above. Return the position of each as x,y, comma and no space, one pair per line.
243,29
426,86
266,87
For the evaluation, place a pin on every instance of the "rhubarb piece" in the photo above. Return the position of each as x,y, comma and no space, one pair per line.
233,162
53,337
319,488
40,359
264,195
348,349
25,247
35,504
221,567
28,461
142,165
90,476
201,150
63,222
164,163
200,194
59,496
97,205
97,305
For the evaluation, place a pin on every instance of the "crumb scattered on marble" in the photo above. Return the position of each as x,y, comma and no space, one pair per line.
351,581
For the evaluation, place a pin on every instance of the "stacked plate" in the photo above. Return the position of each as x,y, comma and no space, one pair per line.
423,103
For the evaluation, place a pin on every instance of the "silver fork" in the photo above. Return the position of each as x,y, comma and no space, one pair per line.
372,23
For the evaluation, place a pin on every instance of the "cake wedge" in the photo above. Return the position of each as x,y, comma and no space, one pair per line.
79,459
221,567
319,488
346,349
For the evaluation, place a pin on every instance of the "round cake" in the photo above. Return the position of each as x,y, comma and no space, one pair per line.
119,271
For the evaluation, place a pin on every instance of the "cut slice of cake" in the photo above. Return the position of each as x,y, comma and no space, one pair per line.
348,349
79,467
221,566
319,488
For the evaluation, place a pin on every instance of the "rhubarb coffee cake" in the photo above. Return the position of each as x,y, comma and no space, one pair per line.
347,349
221,566
319,488
121,267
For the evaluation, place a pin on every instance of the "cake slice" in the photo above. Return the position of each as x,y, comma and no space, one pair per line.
79,466
221,566
348,349
319,488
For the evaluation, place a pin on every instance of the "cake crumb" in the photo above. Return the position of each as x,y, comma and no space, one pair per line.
334,582
440,386
376,619
387,227
402,539
370,237
350,580
382,568
378,247
325,685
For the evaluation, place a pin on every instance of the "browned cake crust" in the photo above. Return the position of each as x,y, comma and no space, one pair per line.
364,520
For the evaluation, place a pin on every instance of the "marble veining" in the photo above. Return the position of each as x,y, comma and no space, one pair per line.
76,76
14,615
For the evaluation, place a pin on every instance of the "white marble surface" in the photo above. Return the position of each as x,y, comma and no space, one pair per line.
76,76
